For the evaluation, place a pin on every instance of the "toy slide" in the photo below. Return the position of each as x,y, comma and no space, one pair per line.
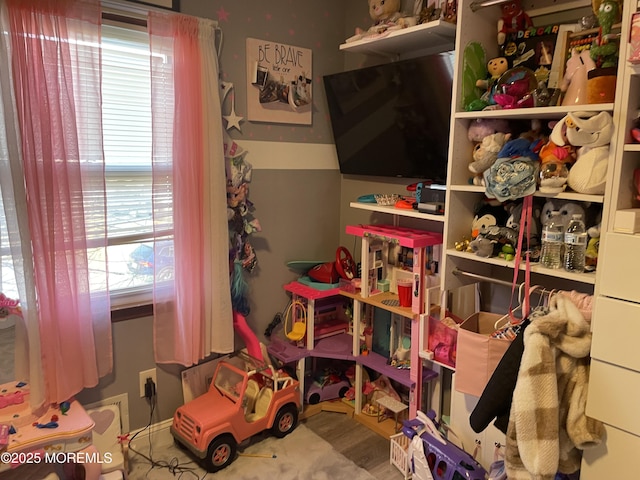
249,338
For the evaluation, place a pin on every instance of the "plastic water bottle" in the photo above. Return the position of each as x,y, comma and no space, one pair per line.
575,244
552,240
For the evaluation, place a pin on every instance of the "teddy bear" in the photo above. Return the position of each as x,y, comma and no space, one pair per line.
386,15
485,153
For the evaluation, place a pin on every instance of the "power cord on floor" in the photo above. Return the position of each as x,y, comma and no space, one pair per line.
173,465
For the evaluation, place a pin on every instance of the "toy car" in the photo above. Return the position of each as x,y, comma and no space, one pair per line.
246,397
324,388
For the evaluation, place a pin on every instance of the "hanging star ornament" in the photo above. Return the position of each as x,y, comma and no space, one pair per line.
233,120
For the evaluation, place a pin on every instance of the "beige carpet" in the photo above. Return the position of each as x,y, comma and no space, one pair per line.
300,455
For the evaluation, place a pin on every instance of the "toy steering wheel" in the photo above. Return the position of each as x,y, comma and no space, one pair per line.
345,265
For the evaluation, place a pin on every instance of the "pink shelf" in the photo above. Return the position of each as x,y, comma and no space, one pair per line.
406,237
310,292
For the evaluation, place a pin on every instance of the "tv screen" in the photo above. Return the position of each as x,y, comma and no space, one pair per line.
392,120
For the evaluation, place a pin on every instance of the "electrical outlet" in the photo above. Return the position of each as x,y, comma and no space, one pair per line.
143,379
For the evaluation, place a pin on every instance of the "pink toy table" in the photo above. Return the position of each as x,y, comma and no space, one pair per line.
73,433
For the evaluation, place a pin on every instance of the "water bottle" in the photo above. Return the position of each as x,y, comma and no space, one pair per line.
552,240
575,244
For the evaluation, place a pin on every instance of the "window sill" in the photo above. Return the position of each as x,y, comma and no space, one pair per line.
131,313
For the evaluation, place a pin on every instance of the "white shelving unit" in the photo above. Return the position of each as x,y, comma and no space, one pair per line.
615,371
615,375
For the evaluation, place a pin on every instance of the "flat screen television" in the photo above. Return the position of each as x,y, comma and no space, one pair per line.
392,120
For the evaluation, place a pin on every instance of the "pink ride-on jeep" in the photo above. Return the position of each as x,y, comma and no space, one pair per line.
246,397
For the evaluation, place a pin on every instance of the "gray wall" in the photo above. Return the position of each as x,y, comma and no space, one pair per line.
302,210
298,208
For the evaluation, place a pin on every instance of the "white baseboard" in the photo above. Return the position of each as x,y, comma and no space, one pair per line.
157,433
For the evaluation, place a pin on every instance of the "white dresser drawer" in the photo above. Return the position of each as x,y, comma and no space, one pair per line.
619,262
611,459
613,396
616,330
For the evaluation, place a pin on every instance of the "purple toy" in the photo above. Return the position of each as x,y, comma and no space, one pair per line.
446,461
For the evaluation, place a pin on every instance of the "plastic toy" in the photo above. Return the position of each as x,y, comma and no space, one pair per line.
246,397
434,456
326,386
295,328
331,272
516,87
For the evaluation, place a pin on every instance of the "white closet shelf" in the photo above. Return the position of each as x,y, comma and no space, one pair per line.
568,195
588,278
536,112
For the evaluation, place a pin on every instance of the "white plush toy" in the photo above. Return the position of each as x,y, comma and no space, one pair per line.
592,134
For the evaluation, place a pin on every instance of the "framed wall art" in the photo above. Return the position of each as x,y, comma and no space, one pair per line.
279,81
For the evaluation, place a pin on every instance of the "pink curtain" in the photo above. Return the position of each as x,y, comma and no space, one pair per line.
55,61
192,311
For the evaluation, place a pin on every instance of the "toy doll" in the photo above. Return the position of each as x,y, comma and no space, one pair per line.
514,18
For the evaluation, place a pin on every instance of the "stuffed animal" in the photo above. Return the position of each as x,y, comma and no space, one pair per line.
491,241
481,127
514,174
485,153
566,209
555,161
515,215
591,253
592,134
513,18
386,15
487,215
604,50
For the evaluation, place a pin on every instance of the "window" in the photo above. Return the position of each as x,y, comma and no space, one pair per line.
126,115
127,140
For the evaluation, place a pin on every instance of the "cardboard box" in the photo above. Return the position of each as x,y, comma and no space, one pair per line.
627,221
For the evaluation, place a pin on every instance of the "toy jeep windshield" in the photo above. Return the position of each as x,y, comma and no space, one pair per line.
246,397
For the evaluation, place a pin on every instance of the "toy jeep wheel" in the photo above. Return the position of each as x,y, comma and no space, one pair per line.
286,420
221,452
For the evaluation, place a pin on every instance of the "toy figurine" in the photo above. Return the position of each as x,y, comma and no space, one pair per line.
604,50
514,18
495,68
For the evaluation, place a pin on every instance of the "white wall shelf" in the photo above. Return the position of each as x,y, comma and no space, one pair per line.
402,212
434,36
